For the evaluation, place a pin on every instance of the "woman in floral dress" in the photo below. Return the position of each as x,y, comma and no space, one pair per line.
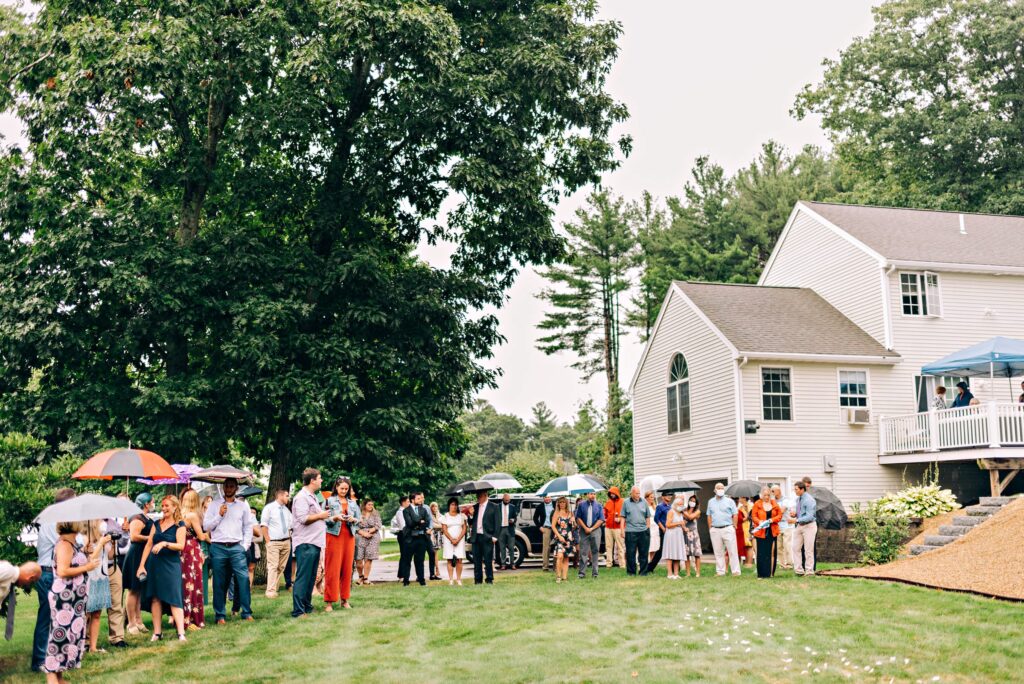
192,562
367,540
68,597
563,527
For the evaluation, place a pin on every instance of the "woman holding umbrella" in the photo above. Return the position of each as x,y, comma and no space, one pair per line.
140,527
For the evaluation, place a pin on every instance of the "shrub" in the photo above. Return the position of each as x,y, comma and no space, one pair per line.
922,501
878,533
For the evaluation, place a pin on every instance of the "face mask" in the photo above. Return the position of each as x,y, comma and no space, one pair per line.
693,504
719,492
679,507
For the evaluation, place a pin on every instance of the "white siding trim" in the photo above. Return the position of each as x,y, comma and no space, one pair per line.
886,313
778,243
822,358
722,475
961,268
741,444
650,339
951,455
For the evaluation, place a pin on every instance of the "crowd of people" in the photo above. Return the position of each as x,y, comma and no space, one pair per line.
319,544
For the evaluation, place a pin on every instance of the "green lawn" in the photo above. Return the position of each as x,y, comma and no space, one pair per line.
528,629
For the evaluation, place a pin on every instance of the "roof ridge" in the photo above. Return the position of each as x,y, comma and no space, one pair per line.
752,285
923,209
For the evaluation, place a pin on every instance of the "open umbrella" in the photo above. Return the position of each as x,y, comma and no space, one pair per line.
219,473
126,463
501,481
470,487
651,483
87,507
246,492
673,486
830,512
568,485
184,471
747,488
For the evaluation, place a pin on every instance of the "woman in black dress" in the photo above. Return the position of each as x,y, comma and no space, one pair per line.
162,562
140,529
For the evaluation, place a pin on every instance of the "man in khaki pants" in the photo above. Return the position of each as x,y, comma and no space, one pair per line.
542,520
276,525
785,541
806,530
614,530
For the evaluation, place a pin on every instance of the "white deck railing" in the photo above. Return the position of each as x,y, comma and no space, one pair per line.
986,425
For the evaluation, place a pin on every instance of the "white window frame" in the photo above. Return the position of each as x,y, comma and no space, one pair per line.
761,394
784,482
867,386
929,295
674,385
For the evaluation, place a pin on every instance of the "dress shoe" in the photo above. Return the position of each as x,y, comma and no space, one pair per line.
422,583
222,621
119,644
405,583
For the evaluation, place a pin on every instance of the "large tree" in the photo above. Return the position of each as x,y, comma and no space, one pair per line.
928,109
210,234
586,315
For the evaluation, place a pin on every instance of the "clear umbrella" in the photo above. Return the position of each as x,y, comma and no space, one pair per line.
87,507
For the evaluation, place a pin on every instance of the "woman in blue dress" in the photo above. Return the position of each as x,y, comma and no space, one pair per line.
161,561
140,529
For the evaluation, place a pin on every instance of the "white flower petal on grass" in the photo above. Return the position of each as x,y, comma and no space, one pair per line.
744,642
817,671
842,650
746,650
807,648
789,638
935,678
906,661
756,633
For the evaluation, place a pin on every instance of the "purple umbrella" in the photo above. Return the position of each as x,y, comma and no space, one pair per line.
185,472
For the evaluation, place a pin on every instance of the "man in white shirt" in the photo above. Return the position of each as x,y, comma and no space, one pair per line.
785,541
25,576
276,525
229,521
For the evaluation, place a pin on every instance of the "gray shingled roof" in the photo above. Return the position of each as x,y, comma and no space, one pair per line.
931,236
782,320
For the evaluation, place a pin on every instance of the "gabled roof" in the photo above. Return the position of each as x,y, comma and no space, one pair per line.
783,321
927,236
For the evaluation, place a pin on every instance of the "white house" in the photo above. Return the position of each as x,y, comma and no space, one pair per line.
816,369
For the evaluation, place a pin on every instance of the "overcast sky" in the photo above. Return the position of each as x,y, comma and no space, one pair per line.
699,77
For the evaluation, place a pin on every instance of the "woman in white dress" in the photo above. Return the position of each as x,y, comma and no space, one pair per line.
655,530
453,528
674,543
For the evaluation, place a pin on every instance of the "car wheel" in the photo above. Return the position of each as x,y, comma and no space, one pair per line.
520,553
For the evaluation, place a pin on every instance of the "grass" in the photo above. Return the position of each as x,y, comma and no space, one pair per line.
528,629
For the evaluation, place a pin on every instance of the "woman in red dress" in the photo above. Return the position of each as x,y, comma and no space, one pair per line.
192,562
341,544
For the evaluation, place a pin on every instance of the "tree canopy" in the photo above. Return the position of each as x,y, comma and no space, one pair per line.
210,236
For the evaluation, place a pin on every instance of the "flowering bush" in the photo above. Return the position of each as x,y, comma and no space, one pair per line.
922,501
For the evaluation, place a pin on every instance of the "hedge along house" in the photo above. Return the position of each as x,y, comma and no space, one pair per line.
816,370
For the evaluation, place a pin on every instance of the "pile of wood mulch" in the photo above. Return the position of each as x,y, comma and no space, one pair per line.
987,561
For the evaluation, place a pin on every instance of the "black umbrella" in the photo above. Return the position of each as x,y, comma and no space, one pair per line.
747,488
470,487
249,491
830,512
673,486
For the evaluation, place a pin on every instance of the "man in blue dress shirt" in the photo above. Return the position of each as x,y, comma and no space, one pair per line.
805,518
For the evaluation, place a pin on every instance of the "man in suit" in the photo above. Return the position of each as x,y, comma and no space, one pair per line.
398,527
542,520
483,535
418,523
508,514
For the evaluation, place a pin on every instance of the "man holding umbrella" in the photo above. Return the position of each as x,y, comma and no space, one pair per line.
229,522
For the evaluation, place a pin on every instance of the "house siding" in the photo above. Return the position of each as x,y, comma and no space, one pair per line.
975,307
797,448
845,276
709,447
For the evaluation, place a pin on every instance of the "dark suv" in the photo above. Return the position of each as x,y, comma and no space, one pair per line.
529,542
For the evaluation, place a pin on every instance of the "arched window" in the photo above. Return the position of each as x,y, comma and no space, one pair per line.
678,395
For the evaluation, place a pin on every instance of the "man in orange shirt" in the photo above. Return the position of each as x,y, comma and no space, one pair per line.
614,530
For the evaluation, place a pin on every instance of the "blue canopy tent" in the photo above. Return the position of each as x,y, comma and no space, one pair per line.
1000,356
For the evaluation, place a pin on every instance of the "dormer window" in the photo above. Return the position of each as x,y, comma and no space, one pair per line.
920,294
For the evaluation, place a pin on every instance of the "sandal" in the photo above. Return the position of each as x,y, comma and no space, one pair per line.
345,605
181,636
157,637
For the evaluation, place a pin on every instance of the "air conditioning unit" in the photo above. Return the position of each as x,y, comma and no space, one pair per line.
857,416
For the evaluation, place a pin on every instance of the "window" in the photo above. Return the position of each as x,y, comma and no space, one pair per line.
920,295
924,386
776,394
853,388
678,395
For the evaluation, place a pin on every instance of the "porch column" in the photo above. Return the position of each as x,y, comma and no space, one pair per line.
933,430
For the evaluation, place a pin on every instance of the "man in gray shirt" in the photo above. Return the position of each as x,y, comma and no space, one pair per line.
637,518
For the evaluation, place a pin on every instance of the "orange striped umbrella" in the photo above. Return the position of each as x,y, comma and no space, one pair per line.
112,463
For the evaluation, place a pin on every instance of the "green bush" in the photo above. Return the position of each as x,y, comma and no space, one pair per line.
921,501
878,533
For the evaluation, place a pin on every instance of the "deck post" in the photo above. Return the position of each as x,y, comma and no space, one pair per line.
992,410
933,430
883,428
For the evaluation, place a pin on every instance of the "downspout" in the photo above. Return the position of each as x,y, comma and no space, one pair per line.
886,313
741,446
